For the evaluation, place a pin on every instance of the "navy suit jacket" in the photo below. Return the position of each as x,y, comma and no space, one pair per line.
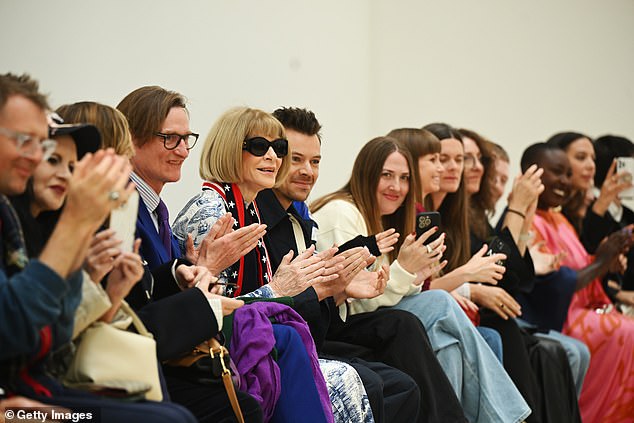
152,249
179,320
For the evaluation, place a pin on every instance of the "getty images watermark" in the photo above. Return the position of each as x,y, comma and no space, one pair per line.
50,414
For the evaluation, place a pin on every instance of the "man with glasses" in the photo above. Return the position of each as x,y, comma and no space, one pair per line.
38,297
180,318
159,124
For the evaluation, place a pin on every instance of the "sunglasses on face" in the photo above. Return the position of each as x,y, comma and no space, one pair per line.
258,146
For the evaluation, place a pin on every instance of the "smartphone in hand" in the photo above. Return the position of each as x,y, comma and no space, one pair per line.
497,245
626,164
123,221
425,221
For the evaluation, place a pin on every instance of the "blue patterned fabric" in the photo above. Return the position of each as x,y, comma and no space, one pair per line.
345,389
349,400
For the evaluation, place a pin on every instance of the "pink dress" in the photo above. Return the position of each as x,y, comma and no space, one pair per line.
608,390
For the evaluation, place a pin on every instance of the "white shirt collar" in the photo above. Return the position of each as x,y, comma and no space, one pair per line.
148,195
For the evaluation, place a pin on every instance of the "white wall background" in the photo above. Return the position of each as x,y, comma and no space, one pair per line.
516,71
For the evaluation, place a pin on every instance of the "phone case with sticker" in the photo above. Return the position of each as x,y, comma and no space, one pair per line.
626,164
424,222
123,221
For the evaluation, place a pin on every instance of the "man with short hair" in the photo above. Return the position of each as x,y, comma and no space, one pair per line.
38,297
180,318
393,337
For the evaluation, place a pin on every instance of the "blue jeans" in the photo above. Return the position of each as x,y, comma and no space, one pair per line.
485,391
493,340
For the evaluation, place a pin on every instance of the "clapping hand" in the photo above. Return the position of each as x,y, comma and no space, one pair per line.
223,246
294,276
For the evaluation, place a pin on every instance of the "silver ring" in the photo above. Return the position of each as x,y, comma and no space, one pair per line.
114,195
429,249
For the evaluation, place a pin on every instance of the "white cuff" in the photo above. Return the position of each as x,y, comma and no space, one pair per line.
464,290
174,275
216,308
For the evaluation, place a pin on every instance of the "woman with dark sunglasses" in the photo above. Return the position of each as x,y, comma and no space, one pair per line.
245,153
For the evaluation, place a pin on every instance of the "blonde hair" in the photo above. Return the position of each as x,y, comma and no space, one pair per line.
112,124
221,158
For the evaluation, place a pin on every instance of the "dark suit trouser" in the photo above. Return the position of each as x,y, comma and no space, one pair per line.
393,395
540,370
398,339
210,403
117,411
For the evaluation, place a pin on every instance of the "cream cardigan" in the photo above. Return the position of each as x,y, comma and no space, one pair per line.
339,221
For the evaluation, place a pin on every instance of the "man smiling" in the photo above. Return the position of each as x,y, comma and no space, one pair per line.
391,382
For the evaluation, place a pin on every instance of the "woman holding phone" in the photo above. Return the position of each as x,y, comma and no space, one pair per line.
381,195
53,182
571,298
425,149
498,307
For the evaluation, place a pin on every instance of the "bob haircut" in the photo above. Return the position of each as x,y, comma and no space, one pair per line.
361,190
113,126
146,109
221,158
419,142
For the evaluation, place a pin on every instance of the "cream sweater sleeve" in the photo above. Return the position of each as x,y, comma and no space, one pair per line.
340,221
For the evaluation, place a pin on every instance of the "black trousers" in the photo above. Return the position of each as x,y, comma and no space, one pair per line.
398,339
209,403
540,370
559,396
111,410
393,395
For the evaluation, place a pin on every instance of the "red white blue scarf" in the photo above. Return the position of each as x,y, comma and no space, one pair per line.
253,269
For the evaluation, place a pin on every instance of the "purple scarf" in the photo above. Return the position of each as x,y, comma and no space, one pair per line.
259,373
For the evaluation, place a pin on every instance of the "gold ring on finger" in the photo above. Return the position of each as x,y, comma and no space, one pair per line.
501,305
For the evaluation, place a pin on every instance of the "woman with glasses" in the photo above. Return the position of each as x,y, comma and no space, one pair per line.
512,231
39,211
425,150
208,403
244,153
381,195
551,377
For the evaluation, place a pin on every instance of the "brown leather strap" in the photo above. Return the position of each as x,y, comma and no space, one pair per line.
214,349
231,393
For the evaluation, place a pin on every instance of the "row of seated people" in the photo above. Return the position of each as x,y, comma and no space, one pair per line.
353,347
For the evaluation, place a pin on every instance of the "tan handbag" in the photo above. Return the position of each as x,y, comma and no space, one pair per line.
219,368
113,360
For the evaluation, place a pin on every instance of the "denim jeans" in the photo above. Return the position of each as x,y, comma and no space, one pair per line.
485,391
493,340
